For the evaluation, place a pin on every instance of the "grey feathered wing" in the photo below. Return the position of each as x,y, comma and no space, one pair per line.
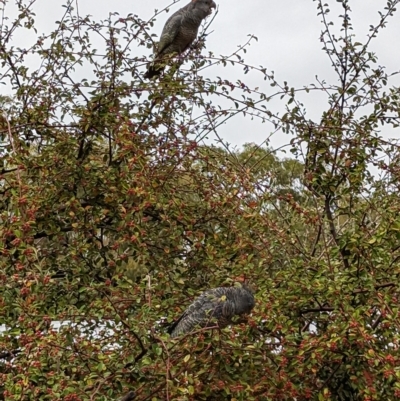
169,32
222,304
202,310
168,35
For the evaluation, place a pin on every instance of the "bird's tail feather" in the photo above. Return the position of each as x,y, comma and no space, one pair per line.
153,71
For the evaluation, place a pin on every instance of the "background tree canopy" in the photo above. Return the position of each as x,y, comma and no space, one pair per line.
116,213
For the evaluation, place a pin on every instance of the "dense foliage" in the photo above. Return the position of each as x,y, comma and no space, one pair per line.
115,215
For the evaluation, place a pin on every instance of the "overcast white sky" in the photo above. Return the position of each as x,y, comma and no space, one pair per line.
288,34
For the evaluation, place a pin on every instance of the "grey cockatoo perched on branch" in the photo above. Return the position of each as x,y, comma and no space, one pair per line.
179,32
214,307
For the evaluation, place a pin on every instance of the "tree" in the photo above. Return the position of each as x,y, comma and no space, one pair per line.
114,214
